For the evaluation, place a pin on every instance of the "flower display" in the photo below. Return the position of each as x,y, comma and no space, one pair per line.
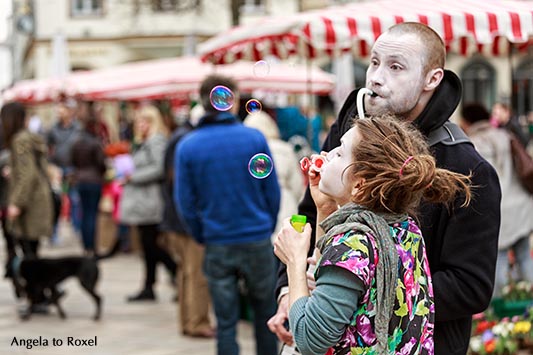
505,336
519,291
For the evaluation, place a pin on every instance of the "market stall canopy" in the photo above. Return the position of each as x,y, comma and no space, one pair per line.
35,90
467,26
164,78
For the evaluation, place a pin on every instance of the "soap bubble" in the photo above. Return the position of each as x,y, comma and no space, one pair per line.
261,68
222,98
253,106
260,166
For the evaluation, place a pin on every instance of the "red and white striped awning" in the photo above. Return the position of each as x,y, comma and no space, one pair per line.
167,78
35,90
467,26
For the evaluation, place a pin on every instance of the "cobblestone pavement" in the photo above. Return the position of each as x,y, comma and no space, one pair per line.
133,329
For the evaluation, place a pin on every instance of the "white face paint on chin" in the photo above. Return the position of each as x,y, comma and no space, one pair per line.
395,74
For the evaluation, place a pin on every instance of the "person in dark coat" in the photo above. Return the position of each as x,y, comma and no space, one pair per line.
194,301
29,197
88,160
406,74
8,238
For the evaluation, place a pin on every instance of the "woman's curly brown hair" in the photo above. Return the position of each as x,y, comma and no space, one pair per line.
386,144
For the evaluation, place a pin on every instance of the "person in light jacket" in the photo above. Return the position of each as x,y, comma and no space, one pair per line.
494,145
290,178
142,201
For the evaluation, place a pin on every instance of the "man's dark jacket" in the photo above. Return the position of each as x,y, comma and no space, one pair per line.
171,220
461,243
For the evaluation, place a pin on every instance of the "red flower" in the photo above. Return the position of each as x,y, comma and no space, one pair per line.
490,346
482,326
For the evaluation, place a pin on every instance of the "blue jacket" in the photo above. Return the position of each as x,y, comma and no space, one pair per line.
220,201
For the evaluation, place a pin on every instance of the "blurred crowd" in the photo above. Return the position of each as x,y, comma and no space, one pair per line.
491,133
75,171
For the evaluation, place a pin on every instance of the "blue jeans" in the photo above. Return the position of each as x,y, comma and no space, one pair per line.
75,207
524,262
254,263
74,198
90,199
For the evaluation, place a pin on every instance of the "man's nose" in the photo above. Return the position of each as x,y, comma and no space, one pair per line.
374,77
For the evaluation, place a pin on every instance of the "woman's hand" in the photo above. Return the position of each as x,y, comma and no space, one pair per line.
6,172
13,211
324,203
290,246
125,180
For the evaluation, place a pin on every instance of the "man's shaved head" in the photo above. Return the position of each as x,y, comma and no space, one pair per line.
431,42
406,67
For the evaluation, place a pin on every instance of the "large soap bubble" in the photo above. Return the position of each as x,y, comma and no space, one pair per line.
260,166
222,98
261,68
253,106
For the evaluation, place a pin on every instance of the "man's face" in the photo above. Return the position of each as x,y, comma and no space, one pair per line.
395,74
500,114
64,113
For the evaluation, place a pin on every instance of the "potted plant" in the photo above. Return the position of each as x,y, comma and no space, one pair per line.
523,330
516,297
492,337
502,337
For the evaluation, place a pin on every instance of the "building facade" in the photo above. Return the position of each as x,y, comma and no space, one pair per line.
103,33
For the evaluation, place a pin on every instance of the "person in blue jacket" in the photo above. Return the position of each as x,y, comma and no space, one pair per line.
232,213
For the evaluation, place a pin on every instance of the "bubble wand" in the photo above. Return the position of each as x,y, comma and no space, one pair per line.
359,100
314,163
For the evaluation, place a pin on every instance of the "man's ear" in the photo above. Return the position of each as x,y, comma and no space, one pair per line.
433,79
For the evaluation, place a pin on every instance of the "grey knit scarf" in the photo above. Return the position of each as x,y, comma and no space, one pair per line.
354,217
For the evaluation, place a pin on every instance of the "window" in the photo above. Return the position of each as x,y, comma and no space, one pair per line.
340,2
252,6
80,8
253,2
523,88
174,5
478,83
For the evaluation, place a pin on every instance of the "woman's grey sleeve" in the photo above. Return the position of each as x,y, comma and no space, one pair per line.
318,322
153,172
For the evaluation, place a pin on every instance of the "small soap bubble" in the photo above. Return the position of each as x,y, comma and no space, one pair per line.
253,106
260,166
261,68
222,98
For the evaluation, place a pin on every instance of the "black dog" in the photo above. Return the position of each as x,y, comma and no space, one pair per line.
37,279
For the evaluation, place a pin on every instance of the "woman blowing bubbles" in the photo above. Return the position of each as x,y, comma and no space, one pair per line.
373,285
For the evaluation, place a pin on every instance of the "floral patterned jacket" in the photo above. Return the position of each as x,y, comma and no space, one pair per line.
412,323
